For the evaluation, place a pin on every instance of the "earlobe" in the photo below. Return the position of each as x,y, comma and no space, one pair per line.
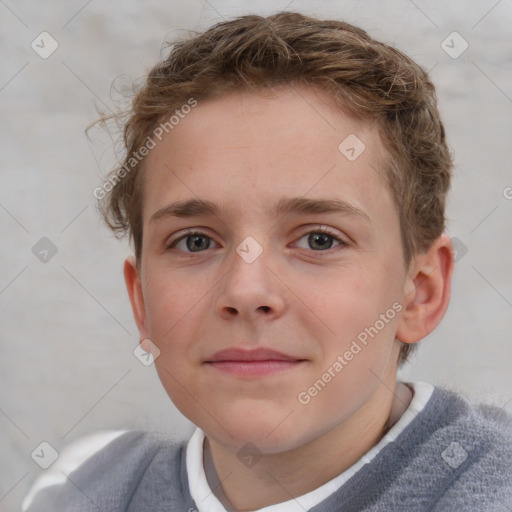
427,302
134,288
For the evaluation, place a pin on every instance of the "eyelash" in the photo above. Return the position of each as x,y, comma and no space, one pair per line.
320,229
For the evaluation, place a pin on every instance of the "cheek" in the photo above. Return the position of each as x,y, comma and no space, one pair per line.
346,300
173,312
359,307
169,301
354,360
179,313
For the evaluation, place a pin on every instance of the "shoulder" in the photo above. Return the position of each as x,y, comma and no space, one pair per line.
470,446
101,470
481,426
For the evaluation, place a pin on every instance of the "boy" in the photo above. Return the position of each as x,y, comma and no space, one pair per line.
262,138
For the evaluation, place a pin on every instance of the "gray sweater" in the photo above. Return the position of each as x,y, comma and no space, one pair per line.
453,457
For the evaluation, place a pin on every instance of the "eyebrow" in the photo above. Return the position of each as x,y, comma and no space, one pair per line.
286,205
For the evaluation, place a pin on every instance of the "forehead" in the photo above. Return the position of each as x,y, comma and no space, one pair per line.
247,151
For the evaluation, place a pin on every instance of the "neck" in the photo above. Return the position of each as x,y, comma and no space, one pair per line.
280,477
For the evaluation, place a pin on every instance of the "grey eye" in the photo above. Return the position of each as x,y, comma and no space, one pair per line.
319,241
196,242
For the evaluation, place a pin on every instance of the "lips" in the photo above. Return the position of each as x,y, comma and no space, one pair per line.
259,354
252,363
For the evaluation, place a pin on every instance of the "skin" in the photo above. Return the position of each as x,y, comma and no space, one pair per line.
245,152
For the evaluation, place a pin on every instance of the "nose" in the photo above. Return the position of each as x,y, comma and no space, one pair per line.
251,290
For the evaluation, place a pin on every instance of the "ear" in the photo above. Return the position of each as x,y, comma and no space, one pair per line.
134,287
427,291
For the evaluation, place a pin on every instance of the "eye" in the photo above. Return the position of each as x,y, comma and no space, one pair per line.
321,240
194,241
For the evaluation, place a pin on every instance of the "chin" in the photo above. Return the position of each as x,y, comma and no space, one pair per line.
269,434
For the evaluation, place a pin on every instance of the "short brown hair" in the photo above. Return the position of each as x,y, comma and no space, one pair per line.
365,78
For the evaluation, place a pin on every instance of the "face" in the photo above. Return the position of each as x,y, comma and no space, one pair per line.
274,325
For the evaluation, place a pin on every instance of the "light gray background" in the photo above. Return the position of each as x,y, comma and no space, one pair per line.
67,333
